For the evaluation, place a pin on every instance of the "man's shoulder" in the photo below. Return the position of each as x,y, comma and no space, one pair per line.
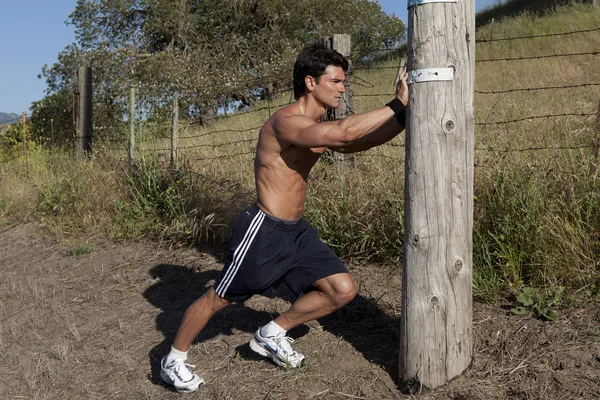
283,112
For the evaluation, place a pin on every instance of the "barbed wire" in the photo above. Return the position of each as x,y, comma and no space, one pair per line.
593,53
494,92
146,124
504,59
220,131
248,84
222,117
375,68
363,80
119,149
237,114
537,36
151,149
540,169
536,117
224,156
358,155
537,88
373,95
219,144
264,81
112,140
490,149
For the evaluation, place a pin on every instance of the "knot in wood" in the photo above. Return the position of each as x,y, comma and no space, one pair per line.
414,240
458,265
449,125
434,301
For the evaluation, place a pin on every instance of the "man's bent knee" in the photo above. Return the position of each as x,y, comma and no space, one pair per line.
345,292
340,288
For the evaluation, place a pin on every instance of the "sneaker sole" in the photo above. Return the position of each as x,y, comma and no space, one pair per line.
165,378
259,348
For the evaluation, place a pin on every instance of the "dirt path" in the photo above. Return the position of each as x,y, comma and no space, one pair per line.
94,326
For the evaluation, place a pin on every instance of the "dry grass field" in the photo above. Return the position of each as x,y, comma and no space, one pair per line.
93,326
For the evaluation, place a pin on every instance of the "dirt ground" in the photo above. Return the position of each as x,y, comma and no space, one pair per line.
95,326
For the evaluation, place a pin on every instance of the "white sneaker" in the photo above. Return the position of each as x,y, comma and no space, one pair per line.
278,349
180,375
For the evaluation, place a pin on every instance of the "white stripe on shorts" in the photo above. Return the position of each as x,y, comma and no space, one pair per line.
240,253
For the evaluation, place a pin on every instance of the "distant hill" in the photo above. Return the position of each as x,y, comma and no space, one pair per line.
8,118
512,8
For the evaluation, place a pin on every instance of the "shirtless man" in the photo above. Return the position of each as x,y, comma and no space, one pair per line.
271,242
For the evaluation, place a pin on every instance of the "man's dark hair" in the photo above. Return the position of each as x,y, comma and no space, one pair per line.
312,61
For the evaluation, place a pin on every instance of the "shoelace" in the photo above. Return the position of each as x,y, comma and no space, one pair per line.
189,367
285,343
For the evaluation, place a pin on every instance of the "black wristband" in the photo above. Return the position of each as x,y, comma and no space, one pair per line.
399,110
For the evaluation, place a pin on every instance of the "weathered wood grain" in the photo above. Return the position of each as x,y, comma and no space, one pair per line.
436,324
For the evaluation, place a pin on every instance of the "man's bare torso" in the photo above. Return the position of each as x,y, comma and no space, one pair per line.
281,170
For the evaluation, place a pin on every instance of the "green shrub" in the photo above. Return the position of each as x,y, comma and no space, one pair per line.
78,249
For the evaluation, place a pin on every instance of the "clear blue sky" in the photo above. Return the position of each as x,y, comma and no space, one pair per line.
33,32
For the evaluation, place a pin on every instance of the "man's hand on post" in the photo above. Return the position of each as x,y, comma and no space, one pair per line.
402,86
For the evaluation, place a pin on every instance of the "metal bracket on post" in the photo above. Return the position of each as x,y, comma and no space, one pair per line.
412,3
430,74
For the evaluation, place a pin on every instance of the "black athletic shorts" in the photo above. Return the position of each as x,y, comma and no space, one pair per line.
265,251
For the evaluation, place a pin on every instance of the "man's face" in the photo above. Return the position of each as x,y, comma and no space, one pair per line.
330,87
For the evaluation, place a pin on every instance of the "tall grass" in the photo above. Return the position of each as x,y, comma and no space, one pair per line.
536,220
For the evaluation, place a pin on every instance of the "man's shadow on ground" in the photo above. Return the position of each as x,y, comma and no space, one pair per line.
362,323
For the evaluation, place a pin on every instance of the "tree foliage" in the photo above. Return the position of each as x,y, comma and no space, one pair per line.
212,52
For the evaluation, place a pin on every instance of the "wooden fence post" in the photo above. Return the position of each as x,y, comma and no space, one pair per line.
175,132
84,115
342,44
24,123
131,147
595,145
436,321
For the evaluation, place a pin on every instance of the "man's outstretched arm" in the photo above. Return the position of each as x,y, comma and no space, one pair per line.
305,132
384,134
387,131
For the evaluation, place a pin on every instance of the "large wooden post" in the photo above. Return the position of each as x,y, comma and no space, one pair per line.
343,45
84,115
436,322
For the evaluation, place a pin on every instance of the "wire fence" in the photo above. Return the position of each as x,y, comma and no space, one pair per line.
538,36
534,117
534,89
231,139
540,57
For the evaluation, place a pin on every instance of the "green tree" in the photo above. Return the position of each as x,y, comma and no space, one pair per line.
52,118
212,52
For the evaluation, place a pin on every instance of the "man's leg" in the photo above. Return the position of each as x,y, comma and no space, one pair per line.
174,369
332,292
196,317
